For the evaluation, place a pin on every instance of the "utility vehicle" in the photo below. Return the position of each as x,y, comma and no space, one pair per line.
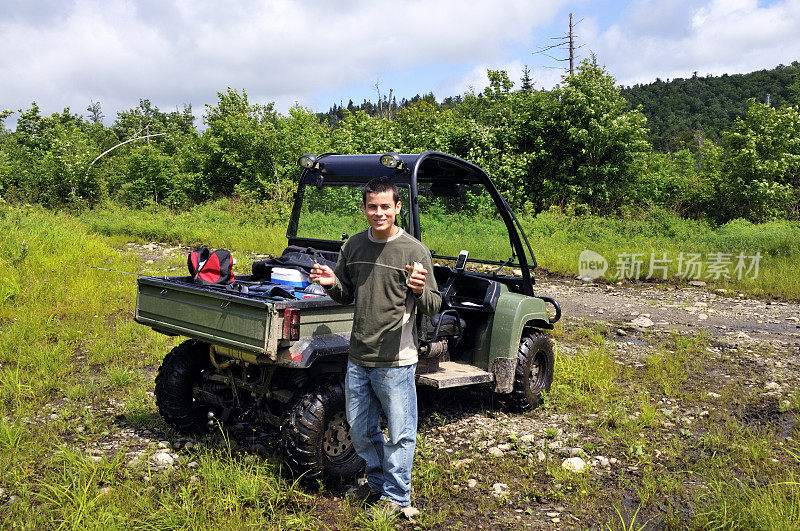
281,360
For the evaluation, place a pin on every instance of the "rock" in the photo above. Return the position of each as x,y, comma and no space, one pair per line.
613,460
163,459
53,417
574,464
462,462
742,335
702,316
105,491
188,446
193,479
621,332
698,283
555,445
556,520
540,456
712,394
642,322
472,483
552,514
13,499
575,452
499,490
504,447
148,262
772,386
163,444
528,438
176,446
192,464
495,451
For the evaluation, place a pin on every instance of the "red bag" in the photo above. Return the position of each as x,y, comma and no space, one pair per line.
207,267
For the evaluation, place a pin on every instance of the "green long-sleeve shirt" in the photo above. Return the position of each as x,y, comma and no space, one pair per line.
371,273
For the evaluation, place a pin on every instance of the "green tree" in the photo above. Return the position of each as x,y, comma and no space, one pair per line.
239,147
596,146
361,133
526,83
760,179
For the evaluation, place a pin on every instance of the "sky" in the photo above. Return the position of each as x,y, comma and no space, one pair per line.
314,53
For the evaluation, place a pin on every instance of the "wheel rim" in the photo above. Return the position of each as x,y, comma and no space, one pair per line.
336,440
537,373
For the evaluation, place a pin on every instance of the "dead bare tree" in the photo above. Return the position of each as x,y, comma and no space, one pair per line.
384,111
565,41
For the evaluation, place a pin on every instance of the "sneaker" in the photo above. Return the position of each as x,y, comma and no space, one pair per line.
364,493
409,512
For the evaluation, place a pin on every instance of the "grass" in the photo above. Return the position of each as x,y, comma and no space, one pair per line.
557,239
75,370
224,223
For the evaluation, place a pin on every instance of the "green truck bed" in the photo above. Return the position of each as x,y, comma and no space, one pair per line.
244,326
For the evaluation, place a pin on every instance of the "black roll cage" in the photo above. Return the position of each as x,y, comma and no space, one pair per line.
359,169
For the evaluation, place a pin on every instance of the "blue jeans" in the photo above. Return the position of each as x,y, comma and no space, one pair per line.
368,390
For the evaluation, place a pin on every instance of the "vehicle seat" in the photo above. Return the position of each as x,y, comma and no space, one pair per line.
452,325
333,256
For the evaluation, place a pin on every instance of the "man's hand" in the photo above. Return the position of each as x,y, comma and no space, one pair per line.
416,281
322,275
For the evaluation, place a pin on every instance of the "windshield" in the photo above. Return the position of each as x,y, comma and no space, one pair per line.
333,212
459,216
453,217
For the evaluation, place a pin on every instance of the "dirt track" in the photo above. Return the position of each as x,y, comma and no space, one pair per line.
681,308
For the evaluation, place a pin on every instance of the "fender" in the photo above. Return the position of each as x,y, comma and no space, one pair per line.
514,311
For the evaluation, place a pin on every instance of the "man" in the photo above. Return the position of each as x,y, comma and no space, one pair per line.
372,272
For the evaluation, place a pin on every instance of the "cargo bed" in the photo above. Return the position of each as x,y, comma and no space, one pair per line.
225,318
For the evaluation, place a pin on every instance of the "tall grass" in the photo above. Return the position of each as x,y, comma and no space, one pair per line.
223,223
68,350
558,240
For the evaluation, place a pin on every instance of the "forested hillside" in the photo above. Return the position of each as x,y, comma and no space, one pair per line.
579,147
680,110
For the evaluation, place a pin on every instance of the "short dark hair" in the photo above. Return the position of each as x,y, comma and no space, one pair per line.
379,185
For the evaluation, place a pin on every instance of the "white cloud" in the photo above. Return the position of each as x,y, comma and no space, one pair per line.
66,53
675,38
